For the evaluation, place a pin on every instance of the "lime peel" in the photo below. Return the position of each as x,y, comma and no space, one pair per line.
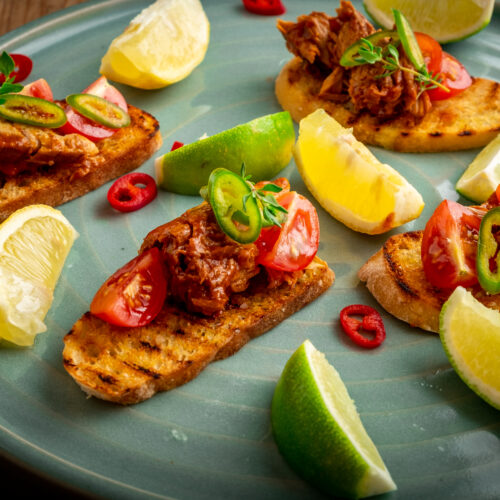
319,431
470,334
264,145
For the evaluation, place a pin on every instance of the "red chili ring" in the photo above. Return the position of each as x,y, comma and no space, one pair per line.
176,145
371,322
22,70
126,195
265,7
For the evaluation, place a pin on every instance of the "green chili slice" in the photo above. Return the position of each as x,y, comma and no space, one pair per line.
237,213
408,40
488,252
99,110
351,57
32,111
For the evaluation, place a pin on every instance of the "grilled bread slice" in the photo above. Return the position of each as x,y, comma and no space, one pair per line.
129,365
63,181
468,120
395,277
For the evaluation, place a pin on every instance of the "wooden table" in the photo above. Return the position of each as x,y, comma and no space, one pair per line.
15,13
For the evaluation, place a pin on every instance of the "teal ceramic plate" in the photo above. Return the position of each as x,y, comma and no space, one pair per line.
211,438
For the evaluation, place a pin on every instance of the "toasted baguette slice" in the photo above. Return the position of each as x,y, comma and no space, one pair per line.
468,120
395,277
124,151
129,365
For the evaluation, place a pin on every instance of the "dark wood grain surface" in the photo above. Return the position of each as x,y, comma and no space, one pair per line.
16,13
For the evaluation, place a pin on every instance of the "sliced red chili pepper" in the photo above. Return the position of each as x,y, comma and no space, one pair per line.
132,191
22,70
371,322
265,7
177,145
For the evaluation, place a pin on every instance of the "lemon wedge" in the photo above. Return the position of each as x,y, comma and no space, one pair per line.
319,431
34,243
482,176
161,45
348,180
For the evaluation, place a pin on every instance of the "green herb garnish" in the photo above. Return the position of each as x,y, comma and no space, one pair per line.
7,66
389,57
273,213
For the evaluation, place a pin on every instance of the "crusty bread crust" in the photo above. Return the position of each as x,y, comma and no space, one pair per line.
395,277
126,150
468,120
129,365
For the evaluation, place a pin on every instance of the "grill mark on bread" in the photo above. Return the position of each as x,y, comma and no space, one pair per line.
465,133
396,270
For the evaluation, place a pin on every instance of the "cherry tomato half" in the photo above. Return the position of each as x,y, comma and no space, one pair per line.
454,76
132,191
449,245
133,295
39,88
84,126
293,245
431,50
23,67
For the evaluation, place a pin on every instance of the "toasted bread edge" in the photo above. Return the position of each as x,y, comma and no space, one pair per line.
468,120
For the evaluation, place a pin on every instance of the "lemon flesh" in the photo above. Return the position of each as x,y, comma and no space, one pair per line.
348,180
162,45
319,432
34,244
444,20
470,333
482,176
264,145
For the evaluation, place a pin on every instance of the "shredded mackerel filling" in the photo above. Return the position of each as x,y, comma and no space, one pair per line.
320,40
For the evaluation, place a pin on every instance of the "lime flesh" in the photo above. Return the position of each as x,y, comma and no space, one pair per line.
444,20
470,333
319,431
264,145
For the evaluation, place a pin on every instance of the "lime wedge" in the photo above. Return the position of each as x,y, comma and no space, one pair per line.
444,20
264,145
348,180
319,431
161,45
483,175
34,243
470,333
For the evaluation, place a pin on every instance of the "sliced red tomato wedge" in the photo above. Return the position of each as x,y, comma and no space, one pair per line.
22,69
39,88
431,50
78,124
292,246
454,76
133,295
449,245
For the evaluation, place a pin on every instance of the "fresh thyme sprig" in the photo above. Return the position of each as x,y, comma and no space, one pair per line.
389,57
7,66
272,212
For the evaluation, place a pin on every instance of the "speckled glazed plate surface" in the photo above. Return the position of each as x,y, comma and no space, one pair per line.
211,438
